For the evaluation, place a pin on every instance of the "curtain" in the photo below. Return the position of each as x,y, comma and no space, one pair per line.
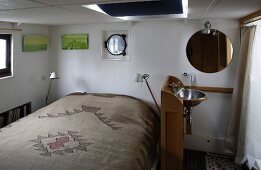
247,34
243,136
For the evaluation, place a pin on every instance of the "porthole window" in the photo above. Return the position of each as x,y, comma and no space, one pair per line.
116,44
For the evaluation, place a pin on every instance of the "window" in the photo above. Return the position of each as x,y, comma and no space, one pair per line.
116,45
5,55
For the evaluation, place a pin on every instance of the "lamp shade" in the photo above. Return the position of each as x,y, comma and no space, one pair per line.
53,75
139,78
207,28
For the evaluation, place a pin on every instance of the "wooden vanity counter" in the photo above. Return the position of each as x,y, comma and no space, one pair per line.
171,127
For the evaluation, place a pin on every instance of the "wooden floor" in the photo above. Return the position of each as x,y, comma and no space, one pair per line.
194,160
197,160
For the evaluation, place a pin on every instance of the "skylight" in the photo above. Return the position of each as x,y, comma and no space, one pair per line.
143,10
95,8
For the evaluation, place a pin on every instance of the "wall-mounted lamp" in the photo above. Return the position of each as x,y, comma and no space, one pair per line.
53,76
207,28
139,79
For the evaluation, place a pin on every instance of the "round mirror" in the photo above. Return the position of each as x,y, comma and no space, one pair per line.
209,51
116,44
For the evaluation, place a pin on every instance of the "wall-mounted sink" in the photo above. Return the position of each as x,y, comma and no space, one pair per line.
191,97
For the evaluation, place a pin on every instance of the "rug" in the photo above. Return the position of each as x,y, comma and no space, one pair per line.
220,162
199,160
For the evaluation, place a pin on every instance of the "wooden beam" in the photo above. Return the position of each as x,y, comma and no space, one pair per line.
212,89
10,29
250,18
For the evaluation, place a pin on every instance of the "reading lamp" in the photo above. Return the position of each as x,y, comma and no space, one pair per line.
139,79
207,28
53,76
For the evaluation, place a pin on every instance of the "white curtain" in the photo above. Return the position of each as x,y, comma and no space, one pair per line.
244,125
234,117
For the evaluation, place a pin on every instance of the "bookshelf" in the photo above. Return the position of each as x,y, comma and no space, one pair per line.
15,114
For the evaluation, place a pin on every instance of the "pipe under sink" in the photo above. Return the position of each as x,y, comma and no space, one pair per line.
191,98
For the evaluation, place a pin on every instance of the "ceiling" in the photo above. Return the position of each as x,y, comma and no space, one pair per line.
59,12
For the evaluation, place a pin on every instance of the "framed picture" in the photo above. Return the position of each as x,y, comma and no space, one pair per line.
34,43
75,41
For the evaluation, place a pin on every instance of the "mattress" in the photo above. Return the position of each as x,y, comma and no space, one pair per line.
92,131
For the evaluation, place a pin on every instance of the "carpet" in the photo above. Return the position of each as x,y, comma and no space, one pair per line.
198,160
220,162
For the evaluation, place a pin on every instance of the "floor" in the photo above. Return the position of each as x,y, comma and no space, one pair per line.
197,160
194,160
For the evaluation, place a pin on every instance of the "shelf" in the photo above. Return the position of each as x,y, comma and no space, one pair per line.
212,89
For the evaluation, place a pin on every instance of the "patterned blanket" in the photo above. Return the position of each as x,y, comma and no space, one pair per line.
92,132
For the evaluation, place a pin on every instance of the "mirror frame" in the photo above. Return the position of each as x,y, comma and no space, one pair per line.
123,36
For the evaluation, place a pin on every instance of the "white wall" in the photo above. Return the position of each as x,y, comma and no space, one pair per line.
29,82
157,48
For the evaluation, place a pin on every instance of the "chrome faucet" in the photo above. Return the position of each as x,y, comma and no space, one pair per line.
192,78
176,87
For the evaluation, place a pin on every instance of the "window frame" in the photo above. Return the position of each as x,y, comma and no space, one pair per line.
8,70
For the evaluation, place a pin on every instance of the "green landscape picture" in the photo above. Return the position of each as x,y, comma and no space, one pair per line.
35,43
75,41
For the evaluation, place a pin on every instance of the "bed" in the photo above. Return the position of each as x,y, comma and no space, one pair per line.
90,131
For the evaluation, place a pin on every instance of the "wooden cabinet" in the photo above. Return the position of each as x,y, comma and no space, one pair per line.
171,128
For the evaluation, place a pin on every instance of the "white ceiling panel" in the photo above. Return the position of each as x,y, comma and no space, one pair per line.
222,8
18,4
54,16
59,12
71,2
